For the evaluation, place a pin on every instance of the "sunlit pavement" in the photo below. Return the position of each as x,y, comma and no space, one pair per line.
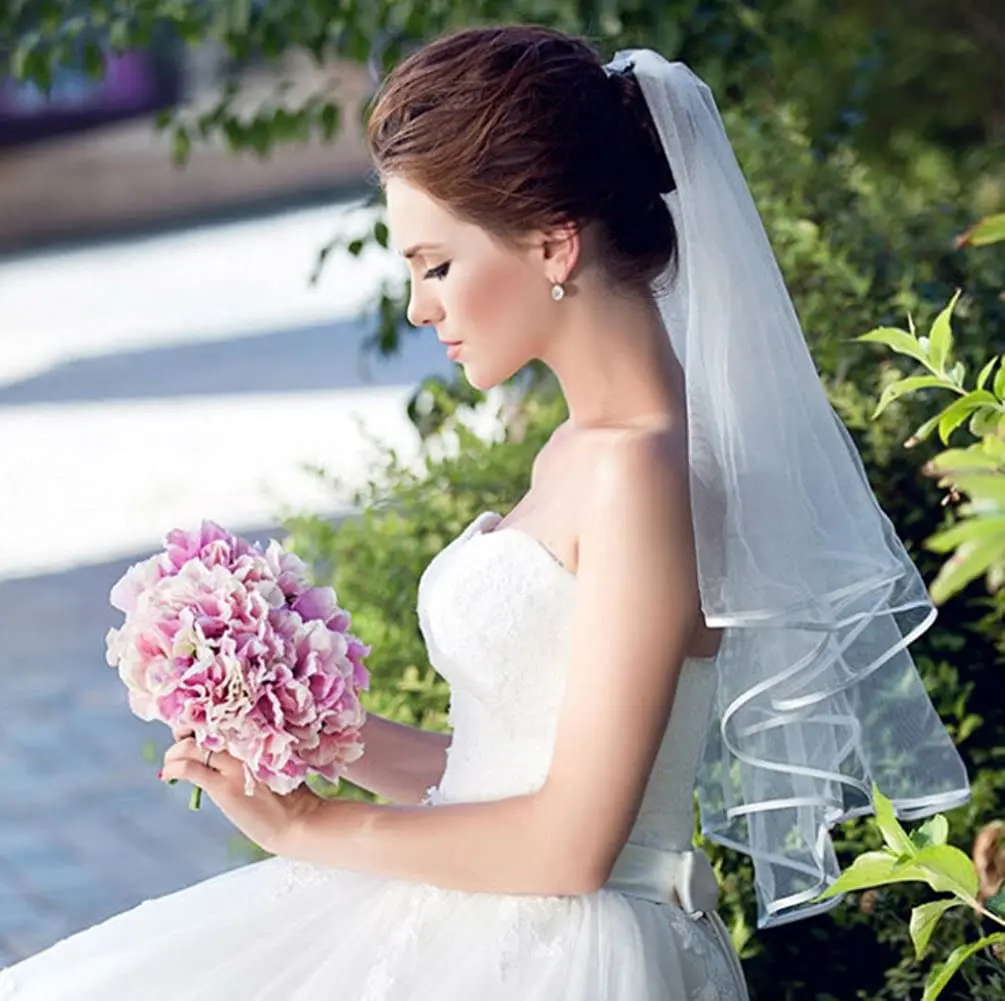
145,385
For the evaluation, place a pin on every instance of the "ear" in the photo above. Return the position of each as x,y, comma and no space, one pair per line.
560,248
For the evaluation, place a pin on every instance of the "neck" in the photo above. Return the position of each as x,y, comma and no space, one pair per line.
614,362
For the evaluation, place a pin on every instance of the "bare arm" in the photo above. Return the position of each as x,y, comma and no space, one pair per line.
400,762
640,583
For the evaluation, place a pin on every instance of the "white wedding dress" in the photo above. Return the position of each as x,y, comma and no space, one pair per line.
494,607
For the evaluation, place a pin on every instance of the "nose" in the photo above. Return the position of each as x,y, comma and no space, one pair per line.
424,309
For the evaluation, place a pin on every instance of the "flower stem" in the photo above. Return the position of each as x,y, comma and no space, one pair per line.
195,800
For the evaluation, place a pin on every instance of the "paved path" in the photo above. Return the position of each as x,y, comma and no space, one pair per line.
128,406
86,829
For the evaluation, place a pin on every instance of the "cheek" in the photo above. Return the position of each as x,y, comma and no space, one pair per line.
497,304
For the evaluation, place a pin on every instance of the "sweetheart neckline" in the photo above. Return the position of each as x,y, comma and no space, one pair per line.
475,530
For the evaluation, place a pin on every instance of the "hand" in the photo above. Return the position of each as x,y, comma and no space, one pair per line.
265,817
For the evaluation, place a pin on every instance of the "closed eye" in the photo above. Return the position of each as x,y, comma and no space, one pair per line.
438,272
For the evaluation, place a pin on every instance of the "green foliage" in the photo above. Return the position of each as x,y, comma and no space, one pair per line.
979,543
924,857
867,71
978,538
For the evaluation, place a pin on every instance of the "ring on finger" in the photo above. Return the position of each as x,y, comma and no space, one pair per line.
208,756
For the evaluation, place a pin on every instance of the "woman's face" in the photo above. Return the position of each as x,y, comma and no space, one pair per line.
491,300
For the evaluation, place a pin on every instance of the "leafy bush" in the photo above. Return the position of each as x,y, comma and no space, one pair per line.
925,857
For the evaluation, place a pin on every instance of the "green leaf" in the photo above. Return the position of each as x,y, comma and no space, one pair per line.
987,494
952,417
868,870
970,531
999,384
968,725
974,458
943,973
989,230
984,421
181,146
958,411
948,870
893,834
985,372
924,918
941,334
94,60
933,831
964,566
380,233
899,340
897,389
922,432
995,447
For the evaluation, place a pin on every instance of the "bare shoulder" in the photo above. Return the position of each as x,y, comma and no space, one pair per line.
642,471
637,525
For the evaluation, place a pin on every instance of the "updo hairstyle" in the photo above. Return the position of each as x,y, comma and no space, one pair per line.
520,128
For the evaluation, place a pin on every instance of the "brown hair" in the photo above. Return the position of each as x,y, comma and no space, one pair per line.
519,128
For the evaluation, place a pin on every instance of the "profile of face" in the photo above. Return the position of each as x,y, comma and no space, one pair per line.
491,299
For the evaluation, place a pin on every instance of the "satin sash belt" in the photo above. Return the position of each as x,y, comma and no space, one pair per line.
685,879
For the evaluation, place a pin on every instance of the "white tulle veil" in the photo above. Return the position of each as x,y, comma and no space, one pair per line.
818,696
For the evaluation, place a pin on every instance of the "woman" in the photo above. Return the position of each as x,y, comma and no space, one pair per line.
698,587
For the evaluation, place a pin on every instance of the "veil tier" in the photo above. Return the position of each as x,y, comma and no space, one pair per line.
818,696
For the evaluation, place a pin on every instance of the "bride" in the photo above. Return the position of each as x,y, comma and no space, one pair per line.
697,592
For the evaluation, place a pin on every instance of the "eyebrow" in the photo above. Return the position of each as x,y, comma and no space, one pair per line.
415,248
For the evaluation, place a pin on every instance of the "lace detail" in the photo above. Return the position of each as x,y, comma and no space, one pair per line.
397,950
536,928
700,938
295,876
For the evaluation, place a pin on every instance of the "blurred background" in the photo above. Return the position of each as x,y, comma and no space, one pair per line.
163,359
199,318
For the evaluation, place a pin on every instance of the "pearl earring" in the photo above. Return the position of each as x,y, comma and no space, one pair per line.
558,291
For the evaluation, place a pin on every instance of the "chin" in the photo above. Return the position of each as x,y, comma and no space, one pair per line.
481,385
483,380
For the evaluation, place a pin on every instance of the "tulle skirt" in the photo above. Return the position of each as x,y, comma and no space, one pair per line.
286,931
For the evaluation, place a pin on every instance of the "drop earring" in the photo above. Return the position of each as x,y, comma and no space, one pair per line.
558,291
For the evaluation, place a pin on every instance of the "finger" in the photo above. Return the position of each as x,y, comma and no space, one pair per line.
192,771
186,748
180,731
224,763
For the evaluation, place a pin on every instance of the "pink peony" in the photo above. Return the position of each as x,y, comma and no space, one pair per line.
235,644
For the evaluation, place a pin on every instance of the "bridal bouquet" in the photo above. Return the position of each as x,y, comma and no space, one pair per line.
230,642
